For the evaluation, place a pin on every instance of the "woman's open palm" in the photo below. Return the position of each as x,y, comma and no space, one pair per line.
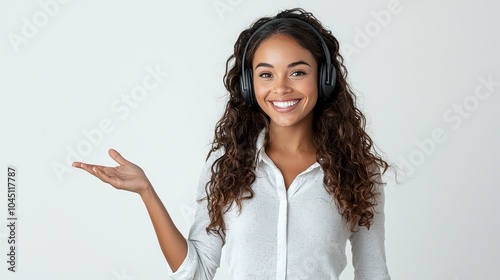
126,176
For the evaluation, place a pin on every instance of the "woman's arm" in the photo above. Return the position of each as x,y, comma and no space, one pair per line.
172,242
130,177
198,257
368,246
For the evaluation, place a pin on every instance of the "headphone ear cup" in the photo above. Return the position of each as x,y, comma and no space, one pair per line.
246,86
321,82
327,80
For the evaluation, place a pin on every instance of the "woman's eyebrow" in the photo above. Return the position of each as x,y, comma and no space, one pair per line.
293,64
263,64
300,62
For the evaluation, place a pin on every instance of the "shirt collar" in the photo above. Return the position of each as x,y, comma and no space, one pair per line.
261,154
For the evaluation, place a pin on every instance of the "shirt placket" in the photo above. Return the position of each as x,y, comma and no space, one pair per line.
282,226
282,230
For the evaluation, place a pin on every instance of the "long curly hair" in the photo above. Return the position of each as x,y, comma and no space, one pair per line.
344,149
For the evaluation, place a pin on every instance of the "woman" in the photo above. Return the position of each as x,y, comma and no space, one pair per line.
291,175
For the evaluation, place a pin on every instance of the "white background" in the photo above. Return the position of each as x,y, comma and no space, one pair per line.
411,71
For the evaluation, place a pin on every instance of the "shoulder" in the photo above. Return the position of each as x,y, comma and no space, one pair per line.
212,157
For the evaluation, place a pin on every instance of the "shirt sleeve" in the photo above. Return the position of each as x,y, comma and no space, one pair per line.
368,249
204,249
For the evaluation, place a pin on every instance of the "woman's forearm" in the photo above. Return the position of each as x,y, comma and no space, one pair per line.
172,242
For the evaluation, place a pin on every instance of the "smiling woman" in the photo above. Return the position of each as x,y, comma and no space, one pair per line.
285,82
291,175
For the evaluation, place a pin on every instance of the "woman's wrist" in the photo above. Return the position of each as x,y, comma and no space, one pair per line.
147,191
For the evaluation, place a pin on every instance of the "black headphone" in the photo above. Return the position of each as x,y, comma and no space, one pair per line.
326,76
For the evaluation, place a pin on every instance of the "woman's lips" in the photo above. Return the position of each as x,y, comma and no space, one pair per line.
284,106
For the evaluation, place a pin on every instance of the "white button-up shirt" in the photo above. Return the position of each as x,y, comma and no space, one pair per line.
280,234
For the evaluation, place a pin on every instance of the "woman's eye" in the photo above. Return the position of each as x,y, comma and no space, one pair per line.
298,73
265,75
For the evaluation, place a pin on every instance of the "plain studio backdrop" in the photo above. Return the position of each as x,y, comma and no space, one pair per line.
145,78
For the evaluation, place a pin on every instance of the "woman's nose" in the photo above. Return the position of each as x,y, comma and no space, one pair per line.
281,85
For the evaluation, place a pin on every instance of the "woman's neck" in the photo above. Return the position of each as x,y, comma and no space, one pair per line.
294,139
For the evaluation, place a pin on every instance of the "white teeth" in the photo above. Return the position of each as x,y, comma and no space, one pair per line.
286,104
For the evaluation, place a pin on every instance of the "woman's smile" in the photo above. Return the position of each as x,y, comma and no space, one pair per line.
285,106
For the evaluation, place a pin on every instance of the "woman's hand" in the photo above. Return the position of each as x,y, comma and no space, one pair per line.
126,176
130,177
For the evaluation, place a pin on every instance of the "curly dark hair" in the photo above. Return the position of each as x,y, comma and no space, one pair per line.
344,149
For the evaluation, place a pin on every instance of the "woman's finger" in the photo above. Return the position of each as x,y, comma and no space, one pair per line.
85,166
77,164
98,172
117,157
88,167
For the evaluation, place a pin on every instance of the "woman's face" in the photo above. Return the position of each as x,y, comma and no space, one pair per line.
285,81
